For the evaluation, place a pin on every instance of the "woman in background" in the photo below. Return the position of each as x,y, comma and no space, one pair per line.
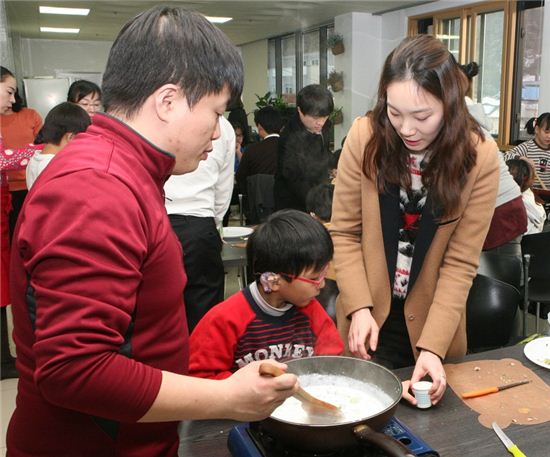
415,192
10,159
86,94
19,126
509,220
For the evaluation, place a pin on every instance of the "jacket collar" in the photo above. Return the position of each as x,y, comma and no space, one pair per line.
157,162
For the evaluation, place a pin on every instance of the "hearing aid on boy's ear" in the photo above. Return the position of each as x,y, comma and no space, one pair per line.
265,279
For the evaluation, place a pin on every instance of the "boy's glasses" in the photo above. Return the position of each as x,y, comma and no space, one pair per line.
316,282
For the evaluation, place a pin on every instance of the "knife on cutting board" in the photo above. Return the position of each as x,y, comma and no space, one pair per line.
493,389
508,443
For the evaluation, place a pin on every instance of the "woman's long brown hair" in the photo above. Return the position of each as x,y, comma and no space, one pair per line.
425,60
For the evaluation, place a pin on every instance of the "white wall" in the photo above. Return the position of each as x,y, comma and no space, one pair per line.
361,64
255,79
41,57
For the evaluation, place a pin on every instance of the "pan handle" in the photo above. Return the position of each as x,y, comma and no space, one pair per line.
391,446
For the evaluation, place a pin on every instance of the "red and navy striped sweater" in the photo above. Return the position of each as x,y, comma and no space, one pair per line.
237,332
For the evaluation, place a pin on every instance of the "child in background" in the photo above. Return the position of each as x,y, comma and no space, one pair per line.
61,125
524,174
319,206
277,316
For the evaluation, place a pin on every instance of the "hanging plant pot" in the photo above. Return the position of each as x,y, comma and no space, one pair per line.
338,48
338,118
337,86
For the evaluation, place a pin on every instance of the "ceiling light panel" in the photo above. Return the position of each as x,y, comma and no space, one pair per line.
66,11
58,30
218,20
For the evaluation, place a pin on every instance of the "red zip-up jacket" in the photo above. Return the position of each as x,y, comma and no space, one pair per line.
97,287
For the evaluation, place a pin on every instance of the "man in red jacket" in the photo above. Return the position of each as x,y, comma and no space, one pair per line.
97,275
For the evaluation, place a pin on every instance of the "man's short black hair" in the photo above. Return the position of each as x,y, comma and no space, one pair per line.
64,118
169,45
290,241
269,118
315,100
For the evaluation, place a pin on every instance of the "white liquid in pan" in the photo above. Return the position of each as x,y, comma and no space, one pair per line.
356,399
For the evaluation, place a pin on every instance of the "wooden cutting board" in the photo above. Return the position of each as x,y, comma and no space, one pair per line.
525,405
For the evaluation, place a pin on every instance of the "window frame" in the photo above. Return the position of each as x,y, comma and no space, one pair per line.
468,15
323,31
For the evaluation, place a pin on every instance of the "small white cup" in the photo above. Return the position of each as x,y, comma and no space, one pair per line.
420,390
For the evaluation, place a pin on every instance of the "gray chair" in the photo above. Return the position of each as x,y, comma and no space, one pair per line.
490,313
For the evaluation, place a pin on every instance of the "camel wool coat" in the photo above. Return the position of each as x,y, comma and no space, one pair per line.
365,230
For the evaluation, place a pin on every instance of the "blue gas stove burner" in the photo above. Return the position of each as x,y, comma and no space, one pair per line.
245,440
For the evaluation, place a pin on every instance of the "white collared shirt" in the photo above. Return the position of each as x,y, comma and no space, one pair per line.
206,192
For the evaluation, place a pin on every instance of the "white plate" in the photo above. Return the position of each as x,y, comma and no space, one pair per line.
538,351
230,233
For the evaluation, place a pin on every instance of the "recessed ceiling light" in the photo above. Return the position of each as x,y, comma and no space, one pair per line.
218,20
58,30
68,11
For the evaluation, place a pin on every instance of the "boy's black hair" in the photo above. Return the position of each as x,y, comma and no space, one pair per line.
290,241
269,118
319,201
82,88
315,100
522,172
64,118
169,45
543,121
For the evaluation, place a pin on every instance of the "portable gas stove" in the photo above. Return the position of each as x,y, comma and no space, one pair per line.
249,440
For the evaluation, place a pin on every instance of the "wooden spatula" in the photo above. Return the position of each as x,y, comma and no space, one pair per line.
268,369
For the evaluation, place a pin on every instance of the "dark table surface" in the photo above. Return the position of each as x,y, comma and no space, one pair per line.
451,428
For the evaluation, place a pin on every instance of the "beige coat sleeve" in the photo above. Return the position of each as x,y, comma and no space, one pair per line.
346,222
461,257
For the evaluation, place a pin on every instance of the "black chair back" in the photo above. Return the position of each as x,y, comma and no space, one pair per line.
260,198
490,313
538,247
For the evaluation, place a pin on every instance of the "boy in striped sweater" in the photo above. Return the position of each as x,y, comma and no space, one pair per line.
277,316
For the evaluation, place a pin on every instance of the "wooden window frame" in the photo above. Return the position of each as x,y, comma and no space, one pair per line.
467,15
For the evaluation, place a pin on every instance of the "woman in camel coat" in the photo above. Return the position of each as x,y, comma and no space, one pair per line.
414,196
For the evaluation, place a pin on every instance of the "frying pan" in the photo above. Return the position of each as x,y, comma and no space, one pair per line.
326,438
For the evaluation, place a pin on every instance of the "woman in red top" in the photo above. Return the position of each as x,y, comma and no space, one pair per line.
9,160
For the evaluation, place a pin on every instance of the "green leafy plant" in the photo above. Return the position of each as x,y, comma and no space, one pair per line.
269,100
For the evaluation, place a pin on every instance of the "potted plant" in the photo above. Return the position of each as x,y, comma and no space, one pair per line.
287,111
337,116
269,100
336,43
336,80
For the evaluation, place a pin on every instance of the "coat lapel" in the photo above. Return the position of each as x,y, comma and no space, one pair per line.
390,216
426,233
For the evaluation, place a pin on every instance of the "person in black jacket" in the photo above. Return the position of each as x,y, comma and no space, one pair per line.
303,160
